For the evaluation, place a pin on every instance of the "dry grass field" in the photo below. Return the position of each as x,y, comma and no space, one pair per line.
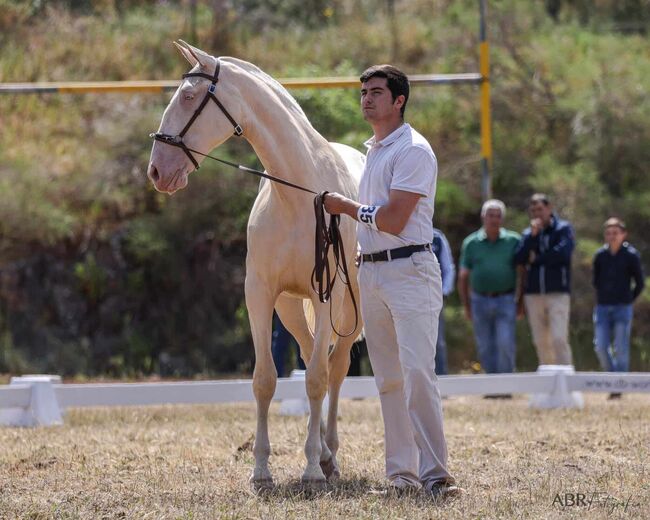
194,462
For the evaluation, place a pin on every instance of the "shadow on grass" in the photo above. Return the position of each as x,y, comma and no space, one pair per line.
344,489
295,489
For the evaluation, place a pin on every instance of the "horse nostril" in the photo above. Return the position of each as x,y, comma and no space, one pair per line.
155,176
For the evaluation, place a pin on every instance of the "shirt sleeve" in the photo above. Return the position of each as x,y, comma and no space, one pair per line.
415,171
465,257
448,273
639,278
595,279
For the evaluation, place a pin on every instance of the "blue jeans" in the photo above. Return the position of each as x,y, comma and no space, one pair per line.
441,347
612,326
280,341
494,320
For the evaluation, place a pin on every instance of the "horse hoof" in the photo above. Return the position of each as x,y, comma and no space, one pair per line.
334,477
314,484
328,467
262,485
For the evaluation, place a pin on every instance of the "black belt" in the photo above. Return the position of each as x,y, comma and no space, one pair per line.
394,254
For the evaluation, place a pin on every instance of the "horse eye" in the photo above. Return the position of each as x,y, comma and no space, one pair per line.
189,97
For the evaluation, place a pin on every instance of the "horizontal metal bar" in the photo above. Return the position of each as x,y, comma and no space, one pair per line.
84,87
15,396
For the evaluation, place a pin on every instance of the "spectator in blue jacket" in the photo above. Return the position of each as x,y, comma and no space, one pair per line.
616,265
545,253
440,247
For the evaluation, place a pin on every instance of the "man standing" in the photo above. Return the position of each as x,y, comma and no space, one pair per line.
441,249
399,280
545,252
487,284
616,265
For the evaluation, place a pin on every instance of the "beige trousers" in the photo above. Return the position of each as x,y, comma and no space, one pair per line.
548,316
400,304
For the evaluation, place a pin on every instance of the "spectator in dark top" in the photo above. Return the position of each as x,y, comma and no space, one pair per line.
440,247
545,252
616,265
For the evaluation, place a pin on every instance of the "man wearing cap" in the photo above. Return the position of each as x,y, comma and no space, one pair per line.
400,284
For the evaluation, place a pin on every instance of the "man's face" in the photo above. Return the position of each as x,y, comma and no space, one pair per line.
377,101
492,219
614,236
541,211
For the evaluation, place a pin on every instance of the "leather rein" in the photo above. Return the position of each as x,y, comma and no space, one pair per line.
326,236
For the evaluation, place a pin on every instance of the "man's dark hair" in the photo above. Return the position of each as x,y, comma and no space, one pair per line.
396,80
539,197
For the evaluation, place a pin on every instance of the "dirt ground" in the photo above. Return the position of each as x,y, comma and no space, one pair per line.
194,462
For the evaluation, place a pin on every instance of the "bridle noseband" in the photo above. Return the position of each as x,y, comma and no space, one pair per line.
177,140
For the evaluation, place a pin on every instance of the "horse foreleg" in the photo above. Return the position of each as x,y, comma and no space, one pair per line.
260,313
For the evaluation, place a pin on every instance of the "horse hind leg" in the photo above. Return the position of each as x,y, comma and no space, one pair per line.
260,311
316,383
291,313
339,363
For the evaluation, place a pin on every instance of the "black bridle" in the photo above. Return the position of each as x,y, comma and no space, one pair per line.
325,236
177,140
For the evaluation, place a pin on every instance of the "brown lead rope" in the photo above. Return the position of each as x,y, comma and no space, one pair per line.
326,237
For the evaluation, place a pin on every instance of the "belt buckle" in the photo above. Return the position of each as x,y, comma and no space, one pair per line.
388,255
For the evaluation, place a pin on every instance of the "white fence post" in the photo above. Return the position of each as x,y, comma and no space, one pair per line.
43,408
560,397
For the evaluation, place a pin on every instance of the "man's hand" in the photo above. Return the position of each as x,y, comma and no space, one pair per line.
336,204
521,308
536,226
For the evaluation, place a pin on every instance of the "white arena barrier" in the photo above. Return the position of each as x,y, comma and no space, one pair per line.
560,397
39,400
30,400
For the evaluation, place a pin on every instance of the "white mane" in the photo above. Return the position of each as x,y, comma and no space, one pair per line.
283,95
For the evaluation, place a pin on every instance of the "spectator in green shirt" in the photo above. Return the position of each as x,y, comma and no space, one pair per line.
487,286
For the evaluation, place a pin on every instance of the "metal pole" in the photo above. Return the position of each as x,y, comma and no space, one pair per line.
81,87
486,121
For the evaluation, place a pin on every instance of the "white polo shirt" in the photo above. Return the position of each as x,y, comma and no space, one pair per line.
402,161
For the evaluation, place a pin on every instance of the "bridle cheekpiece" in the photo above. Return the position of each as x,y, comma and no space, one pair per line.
177,140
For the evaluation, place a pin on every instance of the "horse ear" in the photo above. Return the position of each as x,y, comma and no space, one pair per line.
186,54
203,58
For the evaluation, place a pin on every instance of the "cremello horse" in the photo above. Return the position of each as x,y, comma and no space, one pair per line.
281,230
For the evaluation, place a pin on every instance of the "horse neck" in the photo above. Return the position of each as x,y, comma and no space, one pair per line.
285,142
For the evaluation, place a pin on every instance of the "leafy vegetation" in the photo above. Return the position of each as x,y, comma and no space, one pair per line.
99,274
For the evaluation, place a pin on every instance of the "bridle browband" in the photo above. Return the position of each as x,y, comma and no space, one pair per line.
325,236
177,140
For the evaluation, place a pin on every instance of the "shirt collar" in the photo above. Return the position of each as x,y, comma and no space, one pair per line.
390,138
482,235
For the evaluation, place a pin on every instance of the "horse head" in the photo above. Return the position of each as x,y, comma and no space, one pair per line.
192,121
